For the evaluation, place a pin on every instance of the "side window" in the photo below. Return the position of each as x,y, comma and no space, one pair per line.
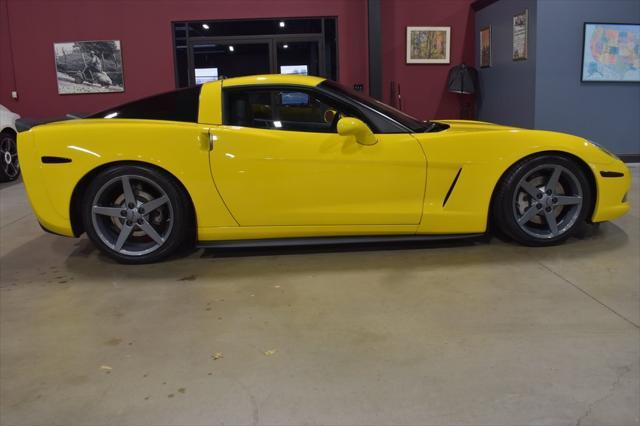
283,109
178,105
249,108
305,112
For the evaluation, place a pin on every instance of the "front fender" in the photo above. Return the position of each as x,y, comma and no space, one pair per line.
479,156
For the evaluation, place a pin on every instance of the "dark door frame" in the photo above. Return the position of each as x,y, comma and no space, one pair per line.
374,29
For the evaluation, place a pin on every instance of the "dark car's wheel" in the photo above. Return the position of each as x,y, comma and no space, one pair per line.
136,214
542,200
9,166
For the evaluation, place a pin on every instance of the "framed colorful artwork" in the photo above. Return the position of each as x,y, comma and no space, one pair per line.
428,45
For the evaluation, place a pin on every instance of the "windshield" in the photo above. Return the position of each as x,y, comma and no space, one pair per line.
414,124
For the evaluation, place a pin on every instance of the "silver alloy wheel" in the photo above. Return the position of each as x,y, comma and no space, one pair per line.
9,157
132,215
547,201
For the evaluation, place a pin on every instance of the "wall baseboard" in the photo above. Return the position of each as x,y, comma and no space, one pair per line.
630,158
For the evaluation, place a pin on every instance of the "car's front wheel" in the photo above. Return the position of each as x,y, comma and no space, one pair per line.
542,200
9,166
136,214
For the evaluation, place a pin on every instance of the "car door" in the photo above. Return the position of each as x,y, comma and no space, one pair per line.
278,160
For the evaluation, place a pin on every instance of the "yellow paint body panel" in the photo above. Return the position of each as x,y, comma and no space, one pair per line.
181,149
259,183
484,152
270,79
272,177
210,111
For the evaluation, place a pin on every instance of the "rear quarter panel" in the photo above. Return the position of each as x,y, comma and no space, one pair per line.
180,149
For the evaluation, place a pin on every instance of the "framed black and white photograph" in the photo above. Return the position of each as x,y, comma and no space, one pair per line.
89,67
428,45
520,35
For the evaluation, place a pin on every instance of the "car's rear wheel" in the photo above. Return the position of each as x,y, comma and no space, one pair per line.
542,200
136,214
9,166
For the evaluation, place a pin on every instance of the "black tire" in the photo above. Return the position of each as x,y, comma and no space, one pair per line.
172,221
525,210
9,165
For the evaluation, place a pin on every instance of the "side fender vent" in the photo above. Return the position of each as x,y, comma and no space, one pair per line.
453,184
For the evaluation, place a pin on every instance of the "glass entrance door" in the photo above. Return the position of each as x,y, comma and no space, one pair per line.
205,50
215,58
231,58
299,57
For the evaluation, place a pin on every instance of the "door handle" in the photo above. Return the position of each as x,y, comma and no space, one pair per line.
207,139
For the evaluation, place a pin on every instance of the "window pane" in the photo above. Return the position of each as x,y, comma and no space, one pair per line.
182,66
249,109
330,43
299,57
266,37
232,59
179,105
294,98
296,110
180,30
304,112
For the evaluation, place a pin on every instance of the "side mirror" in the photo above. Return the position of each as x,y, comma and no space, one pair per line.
349,126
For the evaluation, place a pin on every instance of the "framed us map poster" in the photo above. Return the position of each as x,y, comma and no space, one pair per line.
611,52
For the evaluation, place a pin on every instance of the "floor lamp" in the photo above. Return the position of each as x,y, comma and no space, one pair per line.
463,80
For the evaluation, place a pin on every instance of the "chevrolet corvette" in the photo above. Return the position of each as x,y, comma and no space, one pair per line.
282,159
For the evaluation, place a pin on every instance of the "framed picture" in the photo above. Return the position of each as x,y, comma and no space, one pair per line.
520,30
485,47
89,67
611,52
428,45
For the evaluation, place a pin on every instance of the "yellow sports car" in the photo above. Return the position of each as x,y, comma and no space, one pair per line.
302,160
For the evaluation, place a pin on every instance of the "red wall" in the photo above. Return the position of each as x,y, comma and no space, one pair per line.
31,27
144,29
422,86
